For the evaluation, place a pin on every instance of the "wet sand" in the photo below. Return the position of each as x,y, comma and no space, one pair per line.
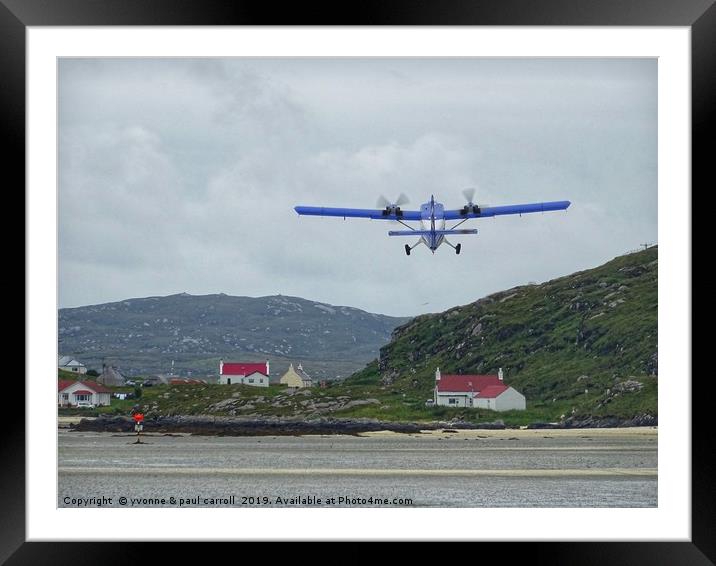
467,468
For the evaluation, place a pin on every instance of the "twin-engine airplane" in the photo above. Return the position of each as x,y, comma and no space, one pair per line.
432,216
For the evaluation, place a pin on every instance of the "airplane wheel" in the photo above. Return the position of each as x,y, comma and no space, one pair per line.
407,249
457,249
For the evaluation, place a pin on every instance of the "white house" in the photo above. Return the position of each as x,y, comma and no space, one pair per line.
256,375
477,392
68,363
69,393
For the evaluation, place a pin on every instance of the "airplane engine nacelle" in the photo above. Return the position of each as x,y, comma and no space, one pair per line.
390,210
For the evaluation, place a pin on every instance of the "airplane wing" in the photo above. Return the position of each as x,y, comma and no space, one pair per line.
508,209
375,214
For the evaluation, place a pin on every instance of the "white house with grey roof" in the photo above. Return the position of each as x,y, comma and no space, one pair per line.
68,363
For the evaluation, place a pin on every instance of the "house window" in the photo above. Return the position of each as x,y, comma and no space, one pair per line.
452,401
75,369
82,397
251,380
65,396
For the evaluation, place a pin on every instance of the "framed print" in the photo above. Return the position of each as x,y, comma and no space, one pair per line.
167,131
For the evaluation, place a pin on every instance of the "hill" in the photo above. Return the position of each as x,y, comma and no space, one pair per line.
581,346
585,343
143,335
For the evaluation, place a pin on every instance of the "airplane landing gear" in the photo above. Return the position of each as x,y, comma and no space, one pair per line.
457,249
407,249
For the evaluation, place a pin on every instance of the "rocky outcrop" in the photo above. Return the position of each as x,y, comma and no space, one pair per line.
599,422
609,422
249,426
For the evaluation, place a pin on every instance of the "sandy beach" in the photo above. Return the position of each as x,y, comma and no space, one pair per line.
436,468
523,433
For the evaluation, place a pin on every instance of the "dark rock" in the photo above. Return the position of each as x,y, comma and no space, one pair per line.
609,421
237,426
261,426
544,425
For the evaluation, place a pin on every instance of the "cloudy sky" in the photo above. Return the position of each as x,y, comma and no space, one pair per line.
180,175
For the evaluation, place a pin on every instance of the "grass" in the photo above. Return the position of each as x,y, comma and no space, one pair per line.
566,345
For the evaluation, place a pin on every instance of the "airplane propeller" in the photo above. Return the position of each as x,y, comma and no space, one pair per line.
385,203
392,207
469,194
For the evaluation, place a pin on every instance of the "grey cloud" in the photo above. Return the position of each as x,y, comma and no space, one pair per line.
181,175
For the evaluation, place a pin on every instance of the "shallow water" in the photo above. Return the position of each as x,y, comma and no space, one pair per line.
466,469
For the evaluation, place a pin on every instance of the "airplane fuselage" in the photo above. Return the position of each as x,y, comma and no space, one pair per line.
432,217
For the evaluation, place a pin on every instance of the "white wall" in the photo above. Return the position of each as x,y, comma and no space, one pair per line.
74,368
482,403
98,399
510,399
256,379
101,399
506,401
462,399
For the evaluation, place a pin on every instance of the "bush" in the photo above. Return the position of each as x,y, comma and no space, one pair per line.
137,392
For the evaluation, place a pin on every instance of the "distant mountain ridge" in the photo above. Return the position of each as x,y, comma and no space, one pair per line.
144,335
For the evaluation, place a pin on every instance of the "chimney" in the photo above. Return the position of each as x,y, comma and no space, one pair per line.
499,374
267,367
435,389
221,367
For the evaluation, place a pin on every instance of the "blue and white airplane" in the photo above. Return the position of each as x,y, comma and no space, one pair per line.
432,216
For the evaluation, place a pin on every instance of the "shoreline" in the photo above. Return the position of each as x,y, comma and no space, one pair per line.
233,426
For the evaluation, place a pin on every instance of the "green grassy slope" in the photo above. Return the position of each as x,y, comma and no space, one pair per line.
584,344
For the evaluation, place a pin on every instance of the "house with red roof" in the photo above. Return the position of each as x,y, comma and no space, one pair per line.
244,373
70,393
477,392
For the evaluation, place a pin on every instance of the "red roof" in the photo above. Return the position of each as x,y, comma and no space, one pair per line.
96,387
491,391
240,368
82,392
467,383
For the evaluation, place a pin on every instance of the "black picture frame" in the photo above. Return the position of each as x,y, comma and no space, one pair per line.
698,15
